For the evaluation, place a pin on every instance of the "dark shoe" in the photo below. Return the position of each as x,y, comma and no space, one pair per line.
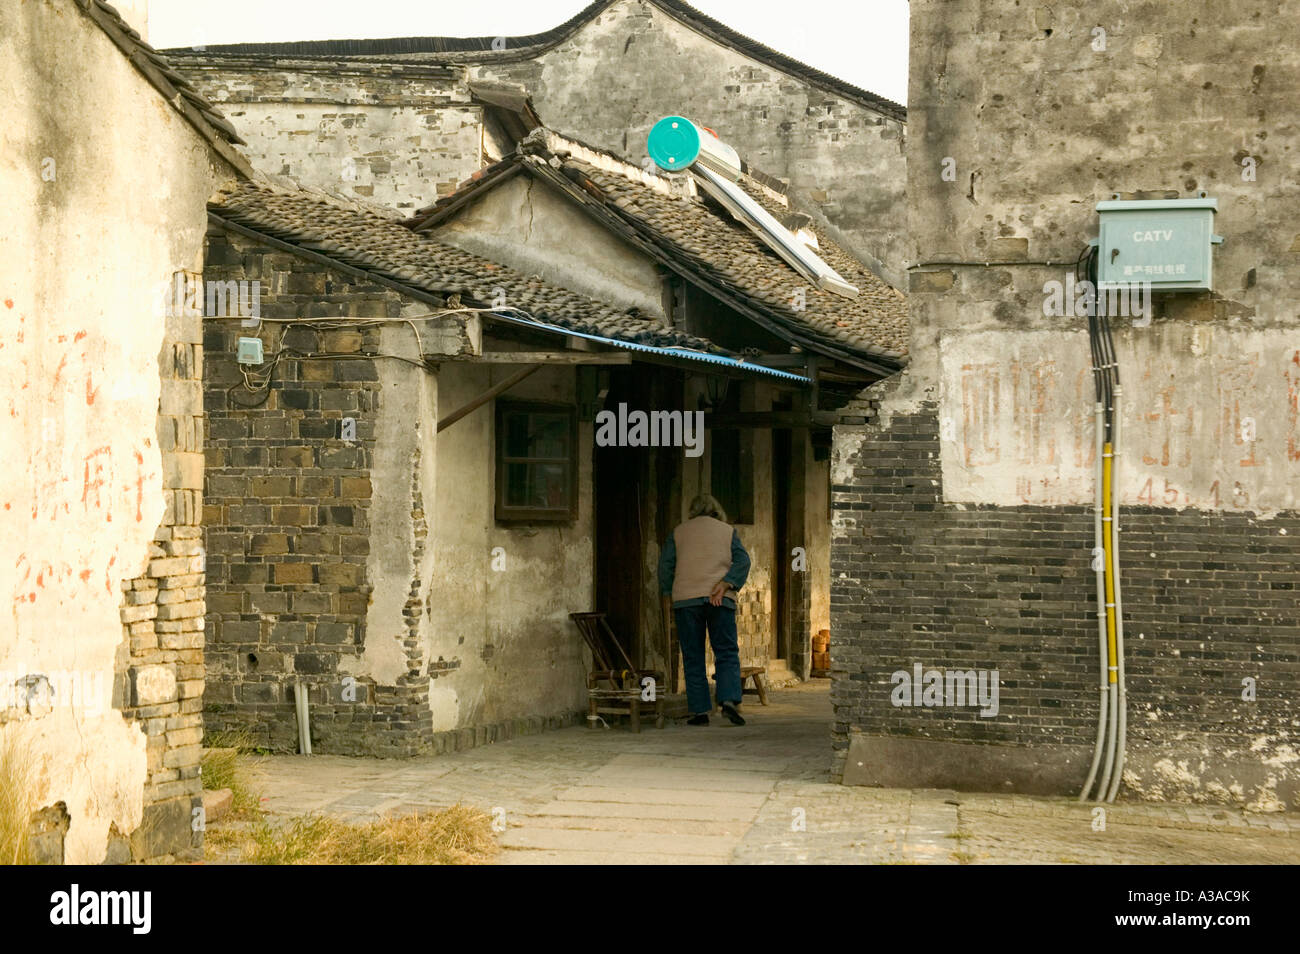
701,719
729,710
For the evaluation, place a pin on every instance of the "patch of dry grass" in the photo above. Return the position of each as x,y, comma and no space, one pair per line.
226,766
453,836
15,803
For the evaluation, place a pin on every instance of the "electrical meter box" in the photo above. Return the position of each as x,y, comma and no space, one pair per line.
1166,242
249,351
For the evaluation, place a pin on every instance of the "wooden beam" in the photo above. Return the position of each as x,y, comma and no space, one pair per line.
486,396
535,357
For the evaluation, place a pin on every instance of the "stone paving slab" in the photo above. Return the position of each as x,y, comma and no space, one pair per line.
713,763
675,779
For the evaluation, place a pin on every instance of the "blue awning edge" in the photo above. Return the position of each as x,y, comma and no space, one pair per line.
677,352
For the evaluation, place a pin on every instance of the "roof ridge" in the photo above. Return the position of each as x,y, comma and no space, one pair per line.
525,46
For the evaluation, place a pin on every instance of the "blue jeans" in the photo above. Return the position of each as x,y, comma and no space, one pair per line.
721,624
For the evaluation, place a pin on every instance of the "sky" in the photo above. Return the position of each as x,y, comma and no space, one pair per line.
863,42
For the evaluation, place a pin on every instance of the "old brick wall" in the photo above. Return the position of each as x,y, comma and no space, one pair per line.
287,517
103,574
1209,601
163,614
397,134
963,522
334,561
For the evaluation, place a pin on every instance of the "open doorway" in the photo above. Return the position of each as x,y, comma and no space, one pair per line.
618,476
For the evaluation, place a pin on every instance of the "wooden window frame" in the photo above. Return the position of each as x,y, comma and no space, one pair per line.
508,514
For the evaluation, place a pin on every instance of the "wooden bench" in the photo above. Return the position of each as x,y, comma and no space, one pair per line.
758,675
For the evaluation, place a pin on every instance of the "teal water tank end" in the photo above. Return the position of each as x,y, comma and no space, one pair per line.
674,143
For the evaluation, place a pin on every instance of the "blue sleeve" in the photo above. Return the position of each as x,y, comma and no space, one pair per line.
667,566
739,571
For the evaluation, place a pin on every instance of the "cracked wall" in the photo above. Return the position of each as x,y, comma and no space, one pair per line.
102,569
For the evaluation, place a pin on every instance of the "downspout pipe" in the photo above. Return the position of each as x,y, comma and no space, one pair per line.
304,725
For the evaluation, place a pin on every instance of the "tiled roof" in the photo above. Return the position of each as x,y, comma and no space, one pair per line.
175,88
375,241
728,253
486,48
715,251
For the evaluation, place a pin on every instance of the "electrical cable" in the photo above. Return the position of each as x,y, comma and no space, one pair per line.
1112,714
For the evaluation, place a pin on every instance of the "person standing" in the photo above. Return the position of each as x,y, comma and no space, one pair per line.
702,566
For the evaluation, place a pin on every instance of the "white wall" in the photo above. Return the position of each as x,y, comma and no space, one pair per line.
104,188
520,655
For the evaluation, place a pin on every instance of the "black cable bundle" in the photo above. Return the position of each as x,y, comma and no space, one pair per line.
1105,364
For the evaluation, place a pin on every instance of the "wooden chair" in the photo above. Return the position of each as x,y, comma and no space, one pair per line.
759,675
614,683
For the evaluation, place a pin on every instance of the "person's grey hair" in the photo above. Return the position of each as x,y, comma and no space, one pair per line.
706,505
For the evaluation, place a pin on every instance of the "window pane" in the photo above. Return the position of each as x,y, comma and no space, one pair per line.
516,485
517,435
548,486
535,449
537,435
549,435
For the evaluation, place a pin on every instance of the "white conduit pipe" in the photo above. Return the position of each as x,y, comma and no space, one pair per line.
1099,559
1118,775
304,726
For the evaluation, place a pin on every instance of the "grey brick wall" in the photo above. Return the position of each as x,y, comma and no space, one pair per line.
1209,600
287,518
